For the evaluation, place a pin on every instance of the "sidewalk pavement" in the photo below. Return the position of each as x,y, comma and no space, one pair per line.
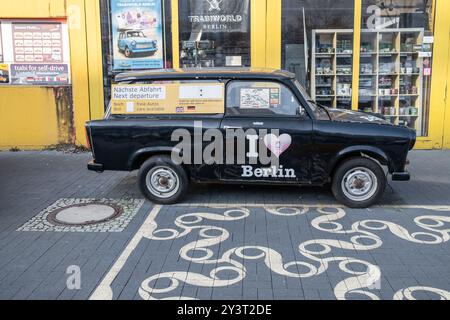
33,265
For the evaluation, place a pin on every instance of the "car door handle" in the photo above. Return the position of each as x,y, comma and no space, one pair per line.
230,127
258,124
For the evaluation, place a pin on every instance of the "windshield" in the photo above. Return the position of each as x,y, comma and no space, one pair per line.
320,112
135,35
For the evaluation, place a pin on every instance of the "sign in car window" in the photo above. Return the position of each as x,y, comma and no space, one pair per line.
260,95
137,31
168,98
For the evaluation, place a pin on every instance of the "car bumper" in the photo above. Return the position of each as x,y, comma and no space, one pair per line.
401,176
97,167
144,50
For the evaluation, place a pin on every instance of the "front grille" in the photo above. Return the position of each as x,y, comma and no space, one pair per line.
144,46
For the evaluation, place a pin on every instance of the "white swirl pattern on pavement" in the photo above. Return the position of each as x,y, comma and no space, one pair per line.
361,232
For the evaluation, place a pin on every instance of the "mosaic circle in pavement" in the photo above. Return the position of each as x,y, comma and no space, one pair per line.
85,215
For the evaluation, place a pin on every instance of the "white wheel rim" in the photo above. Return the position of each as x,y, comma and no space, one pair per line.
162,182
359,184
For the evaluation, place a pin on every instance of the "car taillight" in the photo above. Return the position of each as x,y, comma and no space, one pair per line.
88,139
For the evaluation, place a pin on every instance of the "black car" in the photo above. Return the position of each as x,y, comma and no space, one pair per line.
307,144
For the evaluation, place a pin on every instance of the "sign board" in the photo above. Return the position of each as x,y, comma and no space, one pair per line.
39,74
137,31
170,98
213,16
35,52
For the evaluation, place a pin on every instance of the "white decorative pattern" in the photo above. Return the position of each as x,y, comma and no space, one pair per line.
317,253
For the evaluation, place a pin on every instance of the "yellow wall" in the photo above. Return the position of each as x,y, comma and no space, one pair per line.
25,129
28,115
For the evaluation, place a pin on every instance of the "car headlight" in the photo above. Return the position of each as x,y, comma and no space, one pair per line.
133,43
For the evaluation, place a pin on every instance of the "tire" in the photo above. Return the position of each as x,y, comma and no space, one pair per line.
161,181
359,183
128,52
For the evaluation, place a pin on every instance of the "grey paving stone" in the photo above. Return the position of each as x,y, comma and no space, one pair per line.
33,264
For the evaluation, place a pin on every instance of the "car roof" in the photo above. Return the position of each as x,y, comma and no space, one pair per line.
210,73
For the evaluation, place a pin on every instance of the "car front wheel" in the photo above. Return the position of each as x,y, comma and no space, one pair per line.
359,183
161,181
128,52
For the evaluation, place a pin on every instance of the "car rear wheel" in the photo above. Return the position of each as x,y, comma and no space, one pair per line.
359,183
161,181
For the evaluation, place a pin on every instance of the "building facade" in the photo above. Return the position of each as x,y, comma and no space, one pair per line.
58,58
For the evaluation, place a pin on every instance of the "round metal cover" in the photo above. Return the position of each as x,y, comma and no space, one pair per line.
84,214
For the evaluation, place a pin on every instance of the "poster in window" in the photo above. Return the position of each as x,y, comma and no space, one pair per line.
213,16
137,34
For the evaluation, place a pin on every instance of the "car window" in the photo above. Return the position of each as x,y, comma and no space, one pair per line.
261,98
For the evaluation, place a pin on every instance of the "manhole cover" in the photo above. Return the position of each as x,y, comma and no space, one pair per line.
84,214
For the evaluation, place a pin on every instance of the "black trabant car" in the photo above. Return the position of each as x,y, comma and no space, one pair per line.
243,127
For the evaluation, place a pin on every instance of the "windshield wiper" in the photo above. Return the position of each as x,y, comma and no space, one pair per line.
321,107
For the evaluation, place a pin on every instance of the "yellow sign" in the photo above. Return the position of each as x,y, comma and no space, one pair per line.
4,73
168,98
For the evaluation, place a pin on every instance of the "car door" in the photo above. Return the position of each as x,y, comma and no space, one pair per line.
274,125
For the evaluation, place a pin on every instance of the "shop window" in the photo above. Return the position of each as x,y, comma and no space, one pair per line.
136,35
317,45
214,33
396,61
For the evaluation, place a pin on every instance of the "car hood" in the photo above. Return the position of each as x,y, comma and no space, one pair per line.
354,116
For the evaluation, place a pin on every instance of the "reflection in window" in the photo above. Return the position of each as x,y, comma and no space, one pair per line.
317,45
396,60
